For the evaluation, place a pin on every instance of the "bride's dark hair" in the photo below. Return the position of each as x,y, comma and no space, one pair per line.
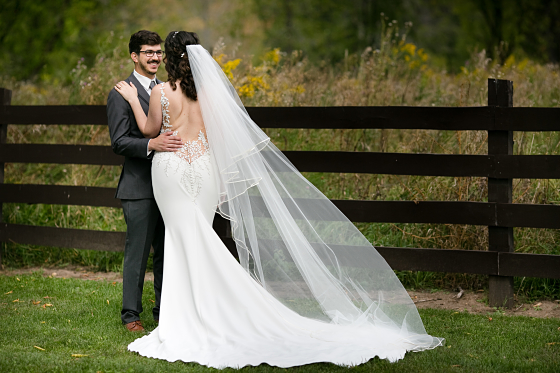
177,61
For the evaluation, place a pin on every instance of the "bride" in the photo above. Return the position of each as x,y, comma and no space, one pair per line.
308,287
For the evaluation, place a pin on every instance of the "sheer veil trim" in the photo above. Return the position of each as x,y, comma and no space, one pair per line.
289,236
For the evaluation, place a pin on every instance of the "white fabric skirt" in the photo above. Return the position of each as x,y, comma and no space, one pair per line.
212,311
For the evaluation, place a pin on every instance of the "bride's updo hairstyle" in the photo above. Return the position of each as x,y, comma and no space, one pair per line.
177,61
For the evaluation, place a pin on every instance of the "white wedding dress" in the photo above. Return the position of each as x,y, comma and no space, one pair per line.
216,313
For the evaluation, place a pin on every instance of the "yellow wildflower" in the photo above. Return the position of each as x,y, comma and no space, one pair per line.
414,64
521,65
423,55
272,56
219,59
229,66
509,62
409,48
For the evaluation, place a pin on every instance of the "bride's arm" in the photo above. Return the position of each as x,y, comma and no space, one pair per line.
150,125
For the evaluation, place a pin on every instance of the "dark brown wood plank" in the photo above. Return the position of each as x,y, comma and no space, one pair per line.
348,117
527,166
436,260
305,161
458,165
345,117
500,238
435,212
55,114
529,265
392,163
62,237
5,101
460,261
60,154
360,117
526,215
59,195
475,213
430,212
527,119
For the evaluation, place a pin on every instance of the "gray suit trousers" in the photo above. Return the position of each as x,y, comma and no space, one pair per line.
144,229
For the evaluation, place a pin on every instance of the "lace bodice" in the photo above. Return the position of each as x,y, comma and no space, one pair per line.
194,149
191,160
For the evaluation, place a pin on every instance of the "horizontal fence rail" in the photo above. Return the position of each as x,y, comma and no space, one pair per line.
433,212
60,154
459,261
450,165
484,118
500,166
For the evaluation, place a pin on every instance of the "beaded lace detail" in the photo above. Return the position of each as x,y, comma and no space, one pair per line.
194,149
192,160
166,127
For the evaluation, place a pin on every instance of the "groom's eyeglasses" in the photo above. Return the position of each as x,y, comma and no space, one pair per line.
150,53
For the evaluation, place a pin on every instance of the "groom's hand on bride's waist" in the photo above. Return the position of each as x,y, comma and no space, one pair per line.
165,142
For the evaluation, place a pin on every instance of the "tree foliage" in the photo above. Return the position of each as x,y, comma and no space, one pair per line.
449,30
42,37
46,38
325,29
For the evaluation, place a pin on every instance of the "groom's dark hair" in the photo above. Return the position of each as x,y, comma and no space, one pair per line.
143,37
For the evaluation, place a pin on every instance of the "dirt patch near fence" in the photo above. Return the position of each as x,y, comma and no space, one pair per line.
84,273
476,303
472,302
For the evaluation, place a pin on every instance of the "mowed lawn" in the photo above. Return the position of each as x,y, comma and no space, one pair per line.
71,325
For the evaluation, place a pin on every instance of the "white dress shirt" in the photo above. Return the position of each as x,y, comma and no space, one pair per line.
145,83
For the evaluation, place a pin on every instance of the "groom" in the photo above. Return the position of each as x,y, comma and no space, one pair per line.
143,220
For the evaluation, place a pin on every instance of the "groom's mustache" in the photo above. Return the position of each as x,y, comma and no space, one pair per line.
154,61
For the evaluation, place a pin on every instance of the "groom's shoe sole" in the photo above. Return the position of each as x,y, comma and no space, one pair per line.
135,326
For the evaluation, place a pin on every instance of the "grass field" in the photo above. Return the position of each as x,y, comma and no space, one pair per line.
75,327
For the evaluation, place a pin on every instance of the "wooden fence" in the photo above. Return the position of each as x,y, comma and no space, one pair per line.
499,118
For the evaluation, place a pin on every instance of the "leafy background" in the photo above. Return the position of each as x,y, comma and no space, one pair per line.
46,38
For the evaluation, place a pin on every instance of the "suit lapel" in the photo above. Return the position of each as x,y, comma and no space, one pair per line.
142,94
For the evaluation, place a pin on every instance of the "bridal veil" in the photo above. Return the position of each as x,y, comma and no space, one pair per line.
291,238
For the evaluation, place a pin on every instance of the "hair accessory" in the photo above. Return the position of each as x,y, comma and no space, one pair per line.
176,32
182,54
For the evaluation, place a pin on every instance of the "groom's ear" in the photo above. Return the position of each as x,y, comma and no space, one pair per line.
134,57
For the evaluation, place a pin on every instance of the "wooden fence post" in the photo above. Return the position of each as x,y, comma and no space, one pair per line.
5,100
500,239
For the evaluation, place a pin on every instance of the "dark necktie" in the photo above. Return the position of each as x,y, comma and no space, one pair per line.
152,84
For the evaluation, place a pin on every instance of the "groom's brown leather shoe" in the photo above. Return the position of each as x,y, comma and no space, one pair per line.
135,326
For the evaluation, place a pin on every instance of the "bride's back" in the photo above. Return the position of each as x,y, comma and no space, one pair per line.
185,116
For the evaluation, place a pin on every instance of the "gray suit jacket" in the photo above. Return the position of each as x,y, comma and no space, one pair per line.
127,140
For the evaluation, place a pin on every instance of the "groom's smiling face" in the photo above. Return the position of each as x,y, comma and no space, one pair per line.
145,65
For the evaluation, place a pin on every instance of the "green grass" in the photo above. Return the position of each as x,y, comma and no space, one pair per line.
84,319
